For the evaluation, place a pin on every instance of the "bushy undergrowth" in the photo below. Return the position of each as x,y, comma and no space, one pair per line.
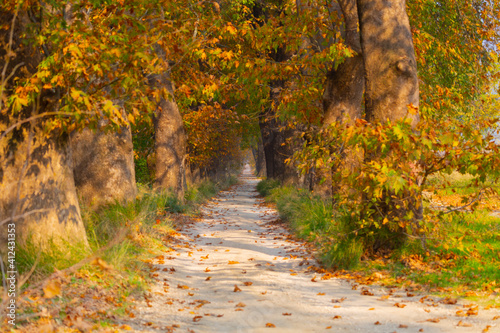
266,186
462,260
312,219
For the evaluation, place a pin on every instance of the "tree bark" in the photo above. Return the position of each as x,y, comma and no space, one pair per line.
170,140
344,89
37,191
260,160
104,166
391,86
389,59
276,139
343,96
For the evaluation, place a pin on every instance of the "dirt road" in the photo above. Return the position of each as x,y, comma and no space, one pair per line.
234,271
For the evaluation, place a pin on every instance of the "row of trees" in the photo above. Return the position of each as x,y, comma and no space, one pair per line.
320,89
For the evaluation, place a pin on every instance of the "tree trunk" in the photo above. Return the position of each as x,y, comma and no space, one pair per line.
170,140
343,97
37,191
260,160
391,85
104,166
389,59
276,140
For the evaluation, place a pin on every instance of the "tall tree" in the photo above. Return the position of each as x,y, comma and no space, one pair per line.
36,180
391,89
389,60
170,138
103,166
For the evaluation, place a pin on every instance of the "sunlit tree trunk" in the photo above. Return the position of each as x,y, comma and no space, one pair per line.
170,139
37,191
104,166
391,86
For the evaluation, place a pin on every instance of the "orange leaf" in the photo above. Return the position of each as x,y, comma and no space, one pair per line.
270,325
52,289
236,288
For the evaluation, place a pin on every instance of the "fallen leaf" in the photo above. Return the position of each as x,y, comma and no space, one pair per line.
101,263
231,262
52,289
241,305
197,318
473,311
377,323
399,305
449,300
371,309
248,283
236,288
180,286
328,327
338,300
337,317
321,294
487,328
462,324
208,278
403,326
433,320
82,326
270,325
286,314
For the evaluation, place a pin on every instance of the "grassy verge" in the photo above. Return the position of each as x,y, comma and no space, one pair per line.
88,287
465,262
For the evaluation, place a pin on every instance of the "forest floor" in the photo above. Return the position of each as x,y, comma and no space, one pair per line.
237,269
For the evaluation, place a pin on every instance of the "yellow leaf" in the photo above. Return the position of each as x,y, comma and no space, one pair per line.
101,263
52,289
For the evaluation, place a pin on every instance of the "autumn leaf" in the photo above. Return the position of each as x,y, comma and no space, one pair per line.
236,288
247,283
433,320
286,314
463,324
52,289
101,263
270,325
233,262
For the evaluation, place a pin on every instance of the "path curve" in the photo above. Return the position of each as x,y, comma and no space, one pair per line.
234,271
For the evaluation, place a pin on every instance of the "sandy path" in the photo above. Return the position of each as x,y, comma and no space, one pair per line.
235,245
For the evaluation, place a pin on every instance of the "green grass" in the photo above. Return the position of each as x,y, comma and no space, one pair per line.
311,218
462,257
147,222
